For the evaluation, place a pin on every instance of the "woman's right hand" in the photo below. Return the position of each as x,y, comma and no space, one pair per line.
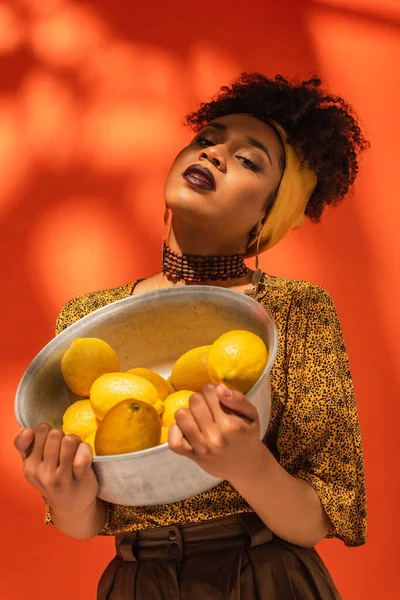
59,467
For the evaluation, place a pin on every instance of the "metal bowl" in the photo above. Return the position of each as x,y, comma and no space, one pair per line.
151,330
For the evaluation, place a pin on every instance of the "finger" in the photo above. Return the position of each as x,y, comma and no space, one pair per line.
236,401
190,430
178,443
82,461
51,453
202,413
69,446
24,442
41,432
211,398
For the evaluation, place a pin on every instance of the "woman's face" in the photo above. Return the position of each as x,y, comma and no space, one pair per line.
220,183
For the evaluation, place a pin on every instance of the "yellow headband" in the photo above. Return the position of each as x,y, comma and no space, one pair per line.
297,185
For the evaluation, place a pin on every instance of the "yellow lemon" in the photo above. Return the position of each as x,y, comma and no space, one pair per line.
80,419
162,386
190,370
130,426
237,359
173,403
90,440
85,360
164,435
112,388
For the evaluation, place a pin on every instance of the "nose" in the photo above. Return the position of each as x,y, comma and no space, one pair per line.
215,155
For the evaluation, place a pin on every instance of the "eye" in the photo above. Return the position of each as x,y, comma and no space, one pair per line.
203,142
248,164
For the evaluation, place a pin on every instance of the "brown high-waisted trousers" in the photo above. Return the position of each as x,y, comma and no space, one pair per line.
235,558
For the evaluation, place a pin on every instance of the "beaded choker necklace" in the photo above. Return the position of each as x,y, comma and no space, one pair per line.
202,268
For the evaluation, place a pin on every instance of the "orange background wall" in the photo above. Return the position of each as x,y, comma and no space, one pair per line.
92,95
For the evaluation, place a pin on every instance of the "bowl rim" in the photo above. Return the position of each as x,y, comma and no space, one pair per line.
141,299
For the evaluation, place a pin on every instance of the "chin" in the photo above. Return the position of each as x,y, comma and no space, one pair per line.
179,196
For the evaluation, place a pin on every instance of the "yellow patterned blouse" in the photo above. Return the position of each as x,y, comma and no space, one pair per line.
313,431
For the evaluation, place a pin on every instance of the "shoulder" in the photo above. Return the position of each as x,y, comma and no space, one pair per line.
80,306
284,294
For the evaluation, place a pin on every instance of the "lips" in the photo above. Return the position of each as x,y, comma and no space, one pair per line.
200,177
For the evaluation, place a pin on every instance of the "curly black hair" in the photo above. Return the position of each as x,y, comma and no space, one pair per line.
323,127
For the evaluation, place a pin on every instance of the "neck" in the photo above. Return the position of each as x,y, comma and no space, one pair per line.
197,242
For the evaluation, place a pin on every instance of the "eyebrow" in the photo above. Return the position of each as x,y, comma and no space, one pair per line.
249,140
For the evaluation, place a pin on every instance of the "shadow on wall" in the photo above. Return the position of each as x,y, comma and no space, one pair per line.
92,104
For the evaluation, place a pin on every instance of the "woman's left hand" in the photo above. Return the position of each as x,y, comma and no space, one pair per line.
220,432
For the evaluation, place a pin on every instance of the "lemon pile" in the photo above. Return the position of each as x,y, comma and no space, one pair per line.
128,411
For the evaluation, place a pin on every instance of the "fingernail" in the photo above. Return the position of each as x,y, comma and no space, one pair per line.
21,430
175,429
225,390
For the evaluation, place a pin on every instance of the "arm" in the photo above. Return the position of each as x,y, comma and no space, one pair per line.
289,506
320,470
42,450
226,444
81,525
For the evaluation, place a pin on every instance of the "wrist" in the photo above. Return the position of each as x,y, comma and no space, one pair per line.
77,511
259,462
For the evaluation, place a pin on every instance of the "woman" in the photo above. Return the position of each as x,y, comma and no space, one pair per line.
267,154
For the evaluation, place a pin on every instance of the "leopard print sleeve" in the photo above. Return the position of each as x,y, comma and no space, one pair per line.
80,306
319,436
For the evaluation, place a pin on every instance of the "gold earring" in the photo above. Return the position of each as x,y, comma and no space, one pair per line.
166,233
257,273
166,215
